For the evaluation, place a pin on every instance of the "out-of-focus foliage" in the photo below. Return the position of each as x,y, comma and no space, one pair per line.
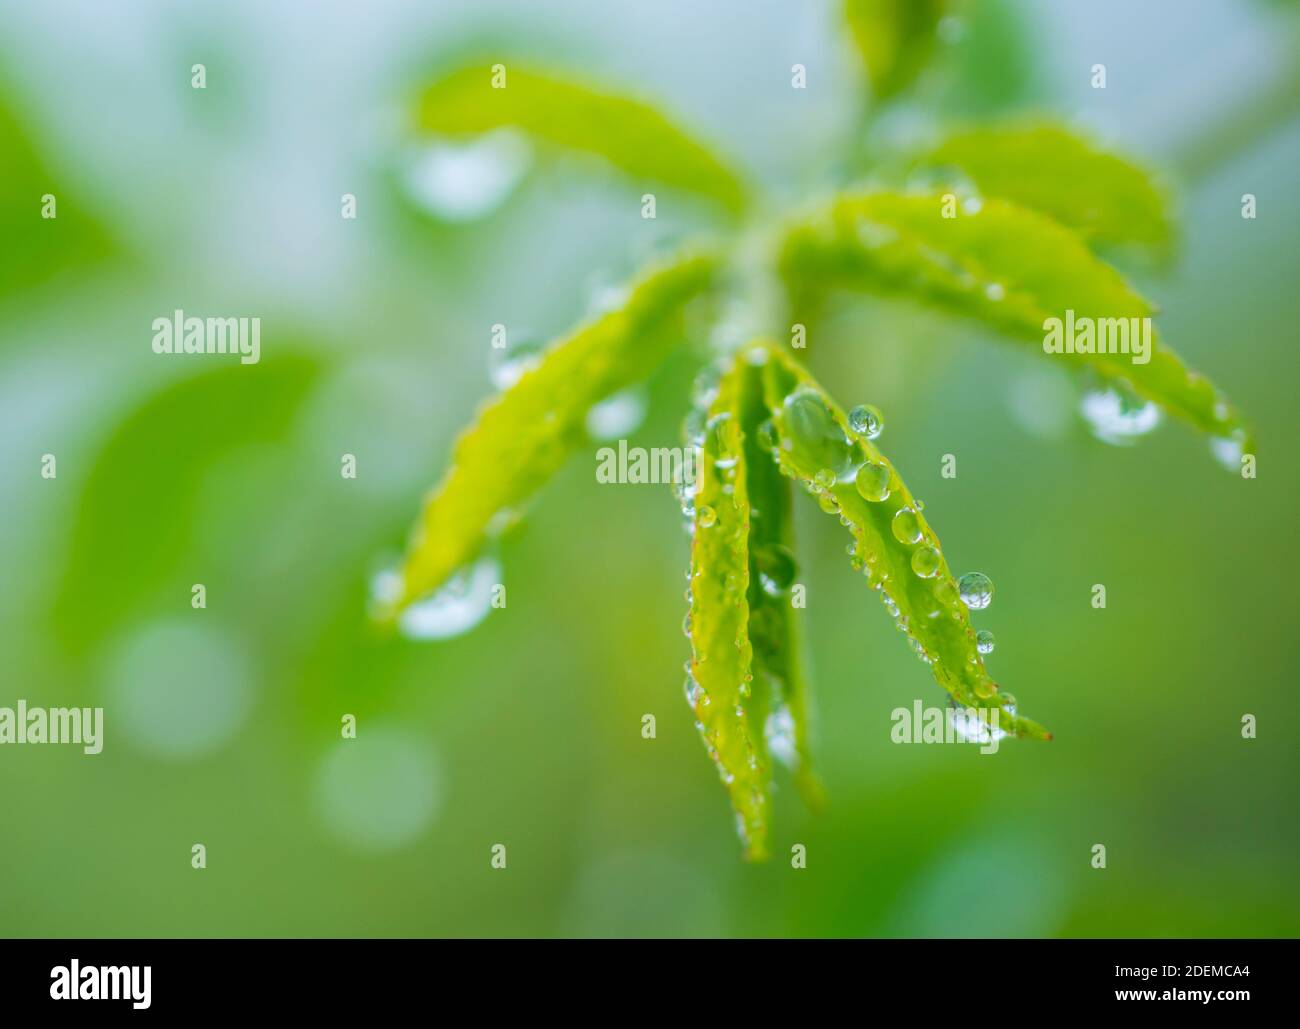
1105,198
36,248
634,137
895,39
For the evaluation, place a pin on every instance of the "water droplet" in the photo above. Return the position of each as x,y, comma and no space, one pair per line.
816,439
767,438
995,291
974,725
694,694
508,364
457,607
906,526
779,730
462,182
1228,450
1116,417
776,566
984,641
867,421
925,562
825,478
872,481
617,415
976,590
705,517
686,624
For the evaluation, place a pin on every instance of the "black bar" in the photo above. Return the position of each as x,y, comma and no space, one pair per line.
335,977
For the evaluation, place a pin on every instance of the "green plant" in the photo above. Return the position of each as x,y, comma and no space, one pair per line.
992,237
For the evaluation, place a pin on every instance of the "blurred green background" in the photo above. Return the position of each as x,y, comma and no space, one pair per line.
222,725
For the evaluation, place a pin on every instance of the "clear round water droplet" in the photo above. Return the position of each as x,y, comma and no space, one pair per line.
925,562
995,291
825,478
872,482
906,526
867,421
816,439
976,590
1117,417
705,517
984,641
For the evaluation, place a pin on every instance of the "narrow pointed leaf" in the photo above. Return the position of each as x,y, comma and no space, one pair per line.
894,38
522,436
632,136
1003,265
779,674
721,684
894,545
1105,198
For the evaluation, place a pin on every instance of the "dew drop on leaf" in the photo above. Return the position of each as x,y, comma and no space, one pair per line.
906,527
815,436
1116,417
462,182
618,415
925,562
984,641
867,421
706,517
872,482
456,607
976,590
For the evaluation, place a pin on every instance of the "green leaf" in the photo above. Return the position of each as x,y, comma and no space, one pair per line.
1004,265
894,545
36,249
632,136
522,436
779,674
1103,197
895,39
729,709
139,511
